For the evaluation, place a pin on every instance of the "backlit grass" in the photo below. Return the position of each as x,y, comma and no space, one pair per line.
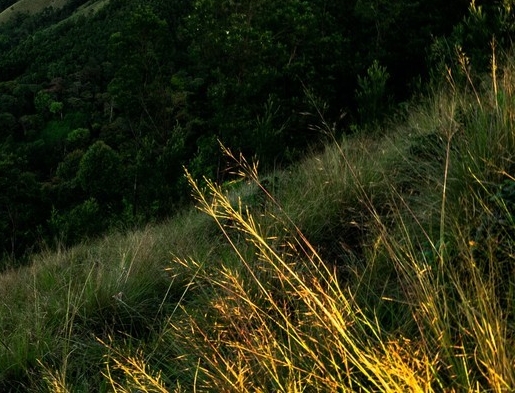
383,264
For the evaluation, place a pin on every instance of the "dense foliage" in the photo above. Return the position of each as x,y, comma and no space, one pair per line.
100,111
380,262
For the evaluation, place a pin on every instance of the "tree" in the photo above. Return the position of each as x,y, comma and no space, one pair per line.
399,34
139,52
371,94
100,173
18,205
8,124
247,51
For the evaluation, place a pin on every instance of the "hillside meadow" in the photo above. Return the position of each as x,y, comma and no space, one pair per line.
30,7
384,263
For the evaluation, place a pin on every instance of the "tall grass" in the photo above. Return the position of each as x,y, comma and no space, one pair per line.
427,303
384,264
53,312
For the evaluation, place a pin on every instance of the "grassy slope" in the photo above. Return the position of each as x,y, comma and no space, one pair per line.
29,6
382,264
34,6
91,6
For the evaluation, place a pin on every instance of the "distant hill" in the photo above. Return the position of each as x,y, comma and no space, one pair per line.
90,6
34,6
30,6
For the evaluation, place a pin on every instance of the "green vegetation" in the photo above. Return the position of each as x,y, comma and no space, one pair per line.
383,263
161,82
27,7
286,199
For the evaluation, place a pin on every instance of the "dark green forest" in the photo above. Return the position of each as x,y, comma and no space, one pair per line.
101,111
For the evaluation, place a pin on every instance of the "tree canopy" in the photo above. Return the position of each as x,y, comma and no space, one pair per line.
99,112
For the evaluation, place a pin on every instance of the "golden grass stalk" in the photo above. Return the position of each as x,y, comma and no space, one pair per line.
138,375
310,332
55,381
276,317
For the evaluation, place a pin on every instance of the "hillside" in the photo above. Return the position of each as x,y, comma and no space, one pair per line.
100,111
384,262
30,7
34,7
258,196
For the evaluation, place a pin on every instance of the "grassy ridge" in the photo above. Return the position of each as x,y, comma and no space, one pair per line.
384,263
29,6
35,6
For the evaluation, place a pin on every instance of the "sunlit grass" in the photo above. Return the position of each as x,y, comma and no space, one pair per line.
426,305
383,264
28,6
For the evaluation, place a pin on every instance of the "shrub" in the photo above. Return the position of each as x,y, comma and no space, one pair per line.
100,172
371,96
